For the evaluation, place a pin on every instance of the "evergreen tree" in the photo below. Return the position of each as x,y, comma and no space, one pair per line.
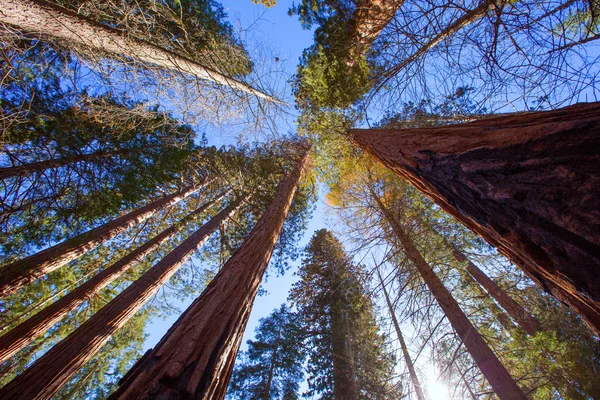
271,368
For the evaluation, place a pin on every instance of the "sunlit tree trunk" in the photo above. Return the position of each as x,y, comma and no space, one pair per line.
49,373
51,20
407,359
516,311
25,169
527,183
196,357
21,272
502,383
24,333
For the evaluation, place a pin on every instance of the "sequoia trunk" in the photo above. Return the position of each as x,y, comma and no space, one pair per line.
21,272
527,183
49,373
493,370
196,357
51,20
20,336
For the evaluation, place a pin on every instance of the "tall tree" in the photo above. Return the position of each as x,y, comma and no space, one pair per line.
49,373
271,368
347,357
52,20
21,335
19,273
196,357
496,374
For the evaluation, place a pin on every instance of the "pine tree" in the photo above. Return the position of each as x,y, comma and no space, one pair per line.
271,368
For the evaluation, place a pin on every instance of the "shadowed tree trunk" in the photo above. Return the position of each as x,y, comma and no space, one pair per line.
21,272
502,383
409,364
44,378
267,393
26,169
196,357
516,311
51,20
527,183
21,335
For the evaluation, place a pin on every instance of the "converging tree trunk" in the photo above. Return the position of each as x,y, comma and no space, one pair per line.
21,272
24,333
516,311
407,359
196,357
502,383
48,374
527,183
25,169
51,20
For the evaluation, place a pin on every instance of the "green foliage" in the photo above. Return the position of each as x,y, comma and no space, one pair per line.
273,361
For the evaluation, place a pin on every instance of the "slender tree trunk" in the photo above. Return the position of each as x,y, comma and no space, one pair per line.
19,273
502,383
470,17
267,394
516,311
526,183
24,333
196,357
51,20
26,169
48,374
409,364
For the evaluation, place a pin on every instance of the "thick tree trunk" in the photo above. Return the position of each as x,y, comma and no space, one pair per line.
24,333
196,357
26,169
516,311
21,272
526,183
51,20
49,373
344,382
493,370
409,364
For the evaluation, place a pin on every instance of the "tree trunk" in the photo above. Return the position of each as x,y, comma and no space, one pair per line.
196,357
21,170
409,364
516,311
51,20
24,333
21,272
49,373
526,183
267,393
493,370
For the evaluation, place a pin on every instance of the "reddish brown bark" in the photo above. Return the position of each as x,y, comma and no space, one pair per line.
26,169
407,359
24,333
195,358
526,183
52,20
21,272
516,311
502,383
48,374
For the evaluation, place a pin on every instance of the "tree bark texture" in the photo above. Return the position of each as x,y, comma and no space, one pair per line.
409,364
501,381
48,374
528,183
195,359
25,169
14,276
24,333
516,311
54,21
